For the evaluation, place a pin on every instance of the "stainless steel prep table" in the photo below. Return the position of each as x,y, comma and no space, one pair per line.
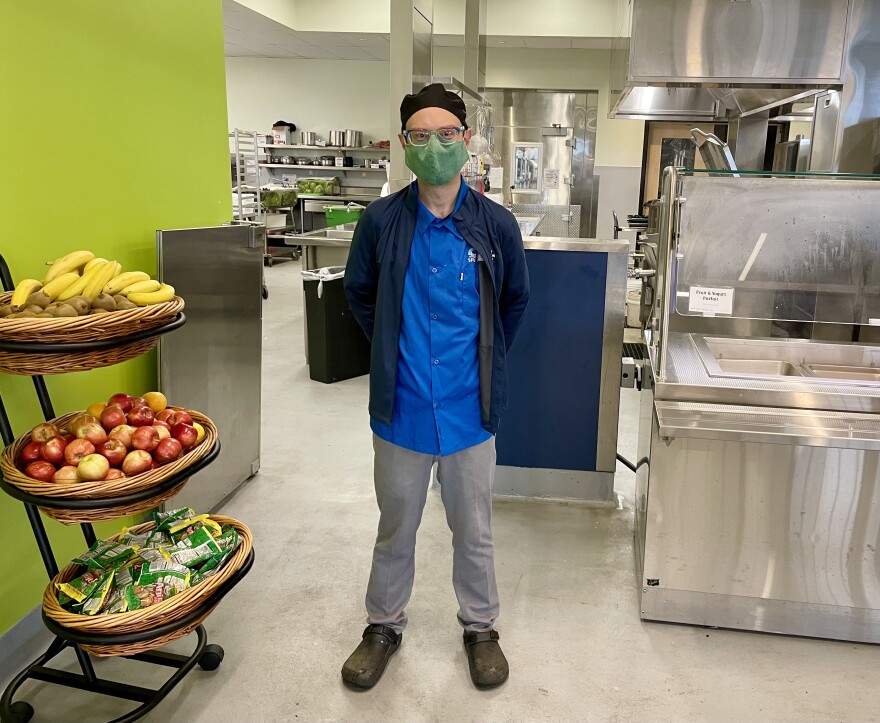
758,506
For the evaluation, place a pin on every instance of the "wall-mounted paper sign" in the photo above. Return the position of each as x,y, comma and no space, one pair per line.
551,178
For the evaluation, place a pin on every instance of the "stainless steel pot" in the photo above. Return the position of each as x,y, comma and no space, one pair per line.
353,139
286,160
337,138
328,160
308,138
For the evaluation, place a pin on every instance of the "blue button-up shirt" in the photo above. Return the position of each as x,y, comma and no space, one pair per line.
437,396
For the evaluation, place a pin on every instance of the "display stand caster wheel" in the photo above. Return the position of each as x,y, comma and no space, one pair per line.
211,657
21,712
265,293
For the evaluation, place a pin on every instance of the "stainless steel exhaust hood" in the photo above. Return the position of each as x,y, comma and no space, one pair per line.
719,59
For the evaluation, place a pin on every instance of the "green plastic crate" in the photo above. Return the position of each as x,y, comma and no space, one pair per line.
338,215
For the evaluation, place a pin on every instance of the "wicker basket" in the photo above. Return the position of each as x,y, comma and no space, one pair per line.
103,489
143,620
28,364
88,328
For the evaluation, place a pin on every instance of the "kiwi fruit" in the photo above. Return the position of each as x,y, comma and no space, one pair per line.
94,312
38,298
105,302
119,297
35,308
64,310
80,305
22,315
5,310
44,315
124,304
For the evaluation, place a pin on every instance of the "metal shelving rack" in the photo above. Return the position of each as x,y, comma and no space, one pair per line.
207,656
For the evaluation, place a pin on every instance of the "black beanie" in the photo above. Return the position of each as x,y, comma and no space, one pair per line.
432,96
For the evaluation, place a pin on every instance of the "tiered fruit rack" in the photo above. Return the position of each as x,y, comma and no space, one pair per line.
208,657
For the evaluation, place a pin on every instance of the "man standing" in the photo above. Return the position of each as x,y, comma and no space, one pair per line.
437,278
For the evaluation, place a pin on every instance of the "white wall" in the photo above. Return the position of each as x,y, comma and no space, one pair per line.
320,95
317,95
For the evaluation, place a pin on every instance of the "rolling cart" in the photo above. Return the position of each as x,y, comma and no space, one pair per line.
205,655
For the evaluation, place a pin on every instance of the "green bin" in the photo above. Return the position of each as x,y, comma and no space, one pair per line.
338,215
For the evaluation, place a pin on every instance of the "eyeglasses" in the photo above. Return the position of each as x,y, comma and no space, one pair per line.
445,135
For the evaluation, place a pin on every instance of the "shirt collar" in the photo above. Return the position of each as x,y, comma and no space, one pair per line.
425,218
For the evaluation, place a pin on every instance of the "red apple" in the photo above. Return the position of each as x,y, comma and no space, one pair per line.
43,471
30,453
112,417
154,465
114,474
184,418
136,462
93,467
186,434
160,423
93,432
146,438
167,415
114,451
123,433
167,451
123,400
68,473
80,420
138,402
162,429
68,438
53,450
141,416
44,432
77,450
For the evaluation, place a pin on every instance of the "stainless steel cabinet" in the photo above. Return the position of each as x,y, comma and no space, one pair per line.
213,363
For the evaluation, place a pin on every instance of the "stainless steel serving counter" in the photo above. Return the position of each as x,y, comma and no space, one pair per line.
758,490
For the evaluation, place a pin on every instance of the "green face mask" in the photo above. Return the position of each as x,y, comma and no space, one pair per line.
436,164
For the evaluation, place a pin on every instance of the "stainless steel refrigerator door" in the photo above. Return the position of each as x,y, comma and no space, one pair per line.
213,363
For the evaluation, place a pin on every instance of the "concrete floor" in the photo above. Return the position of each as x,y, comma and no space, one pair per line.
569,618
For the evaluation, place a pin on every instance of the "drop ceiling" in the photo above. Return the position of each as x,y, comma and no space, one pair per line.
248,33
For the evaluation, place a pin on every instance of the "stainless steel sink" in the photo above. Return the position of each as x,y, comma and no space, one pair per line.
833,371
760,367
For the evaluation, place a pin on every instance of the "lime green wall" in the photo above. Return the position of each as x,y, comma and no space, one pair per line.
113,125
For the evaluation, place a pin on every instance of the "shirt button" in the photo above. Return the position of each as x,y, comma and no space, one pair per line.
434,317
433,269
436,361
438,406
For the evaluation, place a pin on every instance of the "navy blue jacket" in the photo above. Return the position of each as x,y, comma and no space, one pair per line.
374,280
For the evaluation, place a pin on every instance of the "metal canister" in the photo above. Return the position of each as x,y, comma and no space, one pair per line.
353,139
336,138
309,138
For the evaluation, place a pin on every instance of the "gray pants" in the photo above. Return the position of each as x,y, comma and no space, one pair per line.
402,478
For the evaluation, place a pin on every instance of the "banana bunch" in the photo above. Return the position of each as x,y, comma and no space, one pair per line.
81,283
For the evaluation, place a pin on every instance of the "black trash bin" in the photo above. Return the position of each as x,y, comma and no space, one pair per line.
338,347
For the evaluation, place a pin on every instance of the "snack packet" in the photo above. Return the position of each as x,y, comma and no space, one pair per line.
105,554
116,602
126,575
164,520
187,527
84,586
229,540
170,573
153,554
156,585
95,601
193,550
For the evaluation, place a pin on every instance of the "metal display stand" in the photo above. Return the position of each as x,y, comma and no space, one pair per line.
207,656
